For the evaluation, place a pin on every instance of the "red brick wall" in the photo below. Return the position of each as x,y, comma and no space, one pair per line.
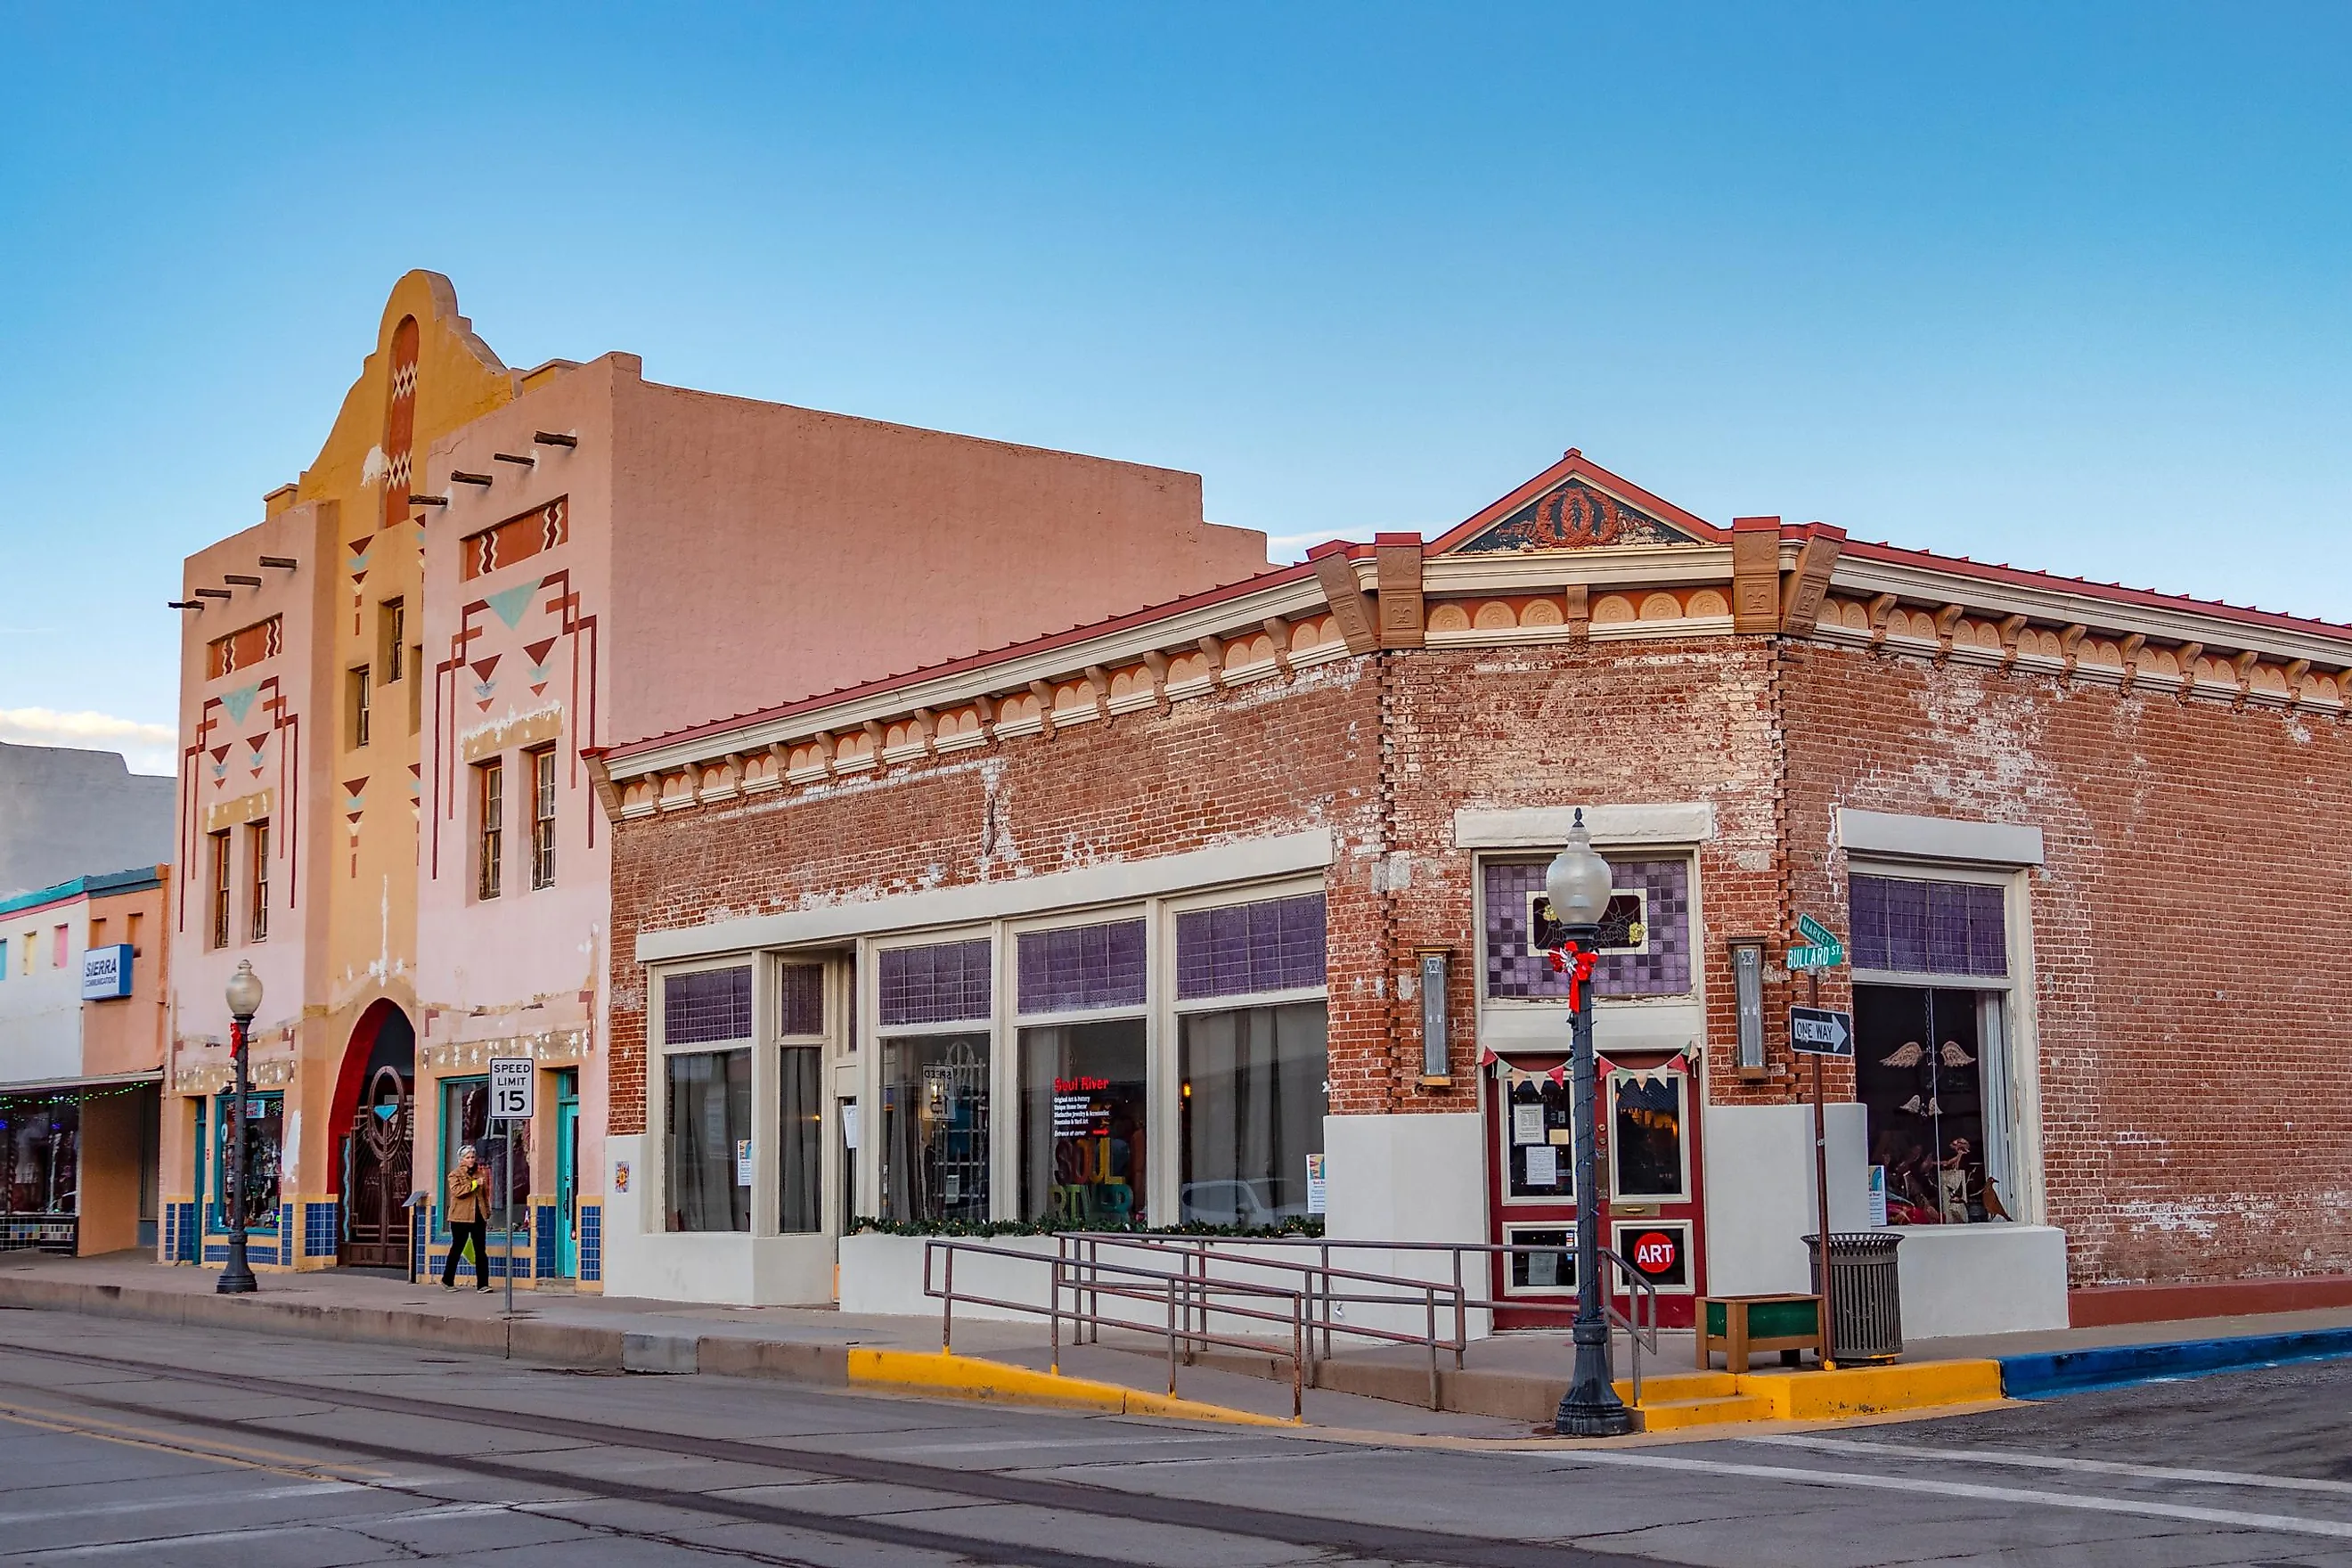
1629,723
1261,760
2192,934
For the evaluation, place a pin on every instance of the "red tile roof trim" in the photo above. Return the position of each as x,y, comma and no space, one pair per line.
1960,565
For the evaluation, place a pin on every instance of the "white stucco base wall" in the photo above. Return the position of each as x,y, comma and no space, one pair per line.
884,1274
1761,1194
719,1268
1408,1178
1997,1278
1957,1279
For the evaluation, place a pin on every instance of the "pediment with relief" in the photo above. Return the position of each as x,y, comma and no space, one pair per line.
1573,515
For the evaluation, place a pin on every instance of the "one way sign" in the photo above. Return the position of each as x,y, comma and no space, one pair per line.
1818,1032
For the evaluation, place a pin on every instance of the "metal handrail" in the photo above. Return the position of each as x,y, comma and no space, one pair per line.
1322,1285
1182,1295
1640,1325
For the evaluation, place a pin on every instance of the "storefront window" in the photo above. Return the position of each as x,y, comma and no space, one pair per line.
1083,1123
1539,1154
799,1125
935,1110
1256,1089
466,1120
709,1143
39,1157
1646,1150
1923,1071
264,1142
935,1127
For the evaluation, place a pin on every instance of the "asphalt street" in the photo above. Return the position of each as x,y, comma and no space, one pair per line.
124,1442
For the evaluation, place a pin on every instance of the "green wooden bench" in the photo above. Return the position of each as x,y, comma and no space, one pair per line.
1739,1326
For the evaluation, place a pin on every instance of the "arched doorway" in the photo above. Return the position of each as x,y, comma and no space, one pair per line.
374,1122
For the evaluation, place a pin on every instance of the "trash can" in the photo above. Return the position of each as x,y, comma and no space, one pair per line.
1865,1293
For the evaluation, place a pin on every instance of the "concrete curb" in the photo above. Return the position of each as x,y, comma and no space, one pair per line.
520,1339
940,1373
1777,1395
2051,1372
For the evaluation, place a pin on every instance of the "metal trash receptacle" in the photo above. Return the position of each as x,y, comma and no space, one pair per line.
1865,1293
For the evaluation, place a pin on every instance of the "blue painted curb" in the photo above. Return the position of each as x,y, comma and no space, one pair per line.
2116,1366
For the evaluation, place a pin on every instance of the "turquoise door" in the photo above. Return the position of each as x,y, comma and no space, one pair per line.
567,1175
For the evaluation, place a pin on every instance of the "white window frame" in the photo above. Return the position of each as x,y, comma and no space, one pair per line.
1690,1117
657,1054
1009,934
873,1034
2005,1021
1167,1083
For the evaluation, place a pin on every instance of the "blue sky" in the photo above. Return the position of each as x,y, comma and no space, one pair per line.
2069,287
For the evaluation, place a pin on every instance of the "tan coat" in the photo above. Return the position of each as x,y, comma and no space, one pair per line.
469,1197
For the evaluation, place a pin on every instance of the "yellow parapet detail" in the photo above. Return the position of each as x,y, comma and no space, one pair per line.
968,1377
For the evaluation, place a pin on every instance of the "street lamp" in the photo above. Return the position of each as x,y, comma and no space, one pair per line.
244,1002
1578,884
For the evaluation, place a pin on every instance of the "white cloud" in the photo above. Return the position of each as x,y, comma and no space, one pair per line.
148,748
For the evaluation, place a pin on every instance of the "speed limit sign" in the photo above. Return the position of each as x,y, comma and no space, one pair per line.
511,1082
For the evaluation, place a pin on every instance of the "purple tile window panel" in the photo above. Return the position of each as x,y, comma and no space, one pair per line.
1276,945
799,999
943,983
1081,967
1918,927
709,1005
1516,968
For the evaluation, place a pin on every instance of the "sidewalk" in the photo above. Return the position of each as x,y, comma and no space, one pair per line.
802,1344
1508,1385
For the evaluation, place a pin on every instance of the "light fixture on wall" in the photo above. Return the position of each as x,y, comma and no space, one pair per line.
1436,1025
1747,993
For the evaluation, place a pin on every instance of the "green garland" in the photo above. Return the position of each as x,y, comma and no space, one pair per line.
980,1229
10,1101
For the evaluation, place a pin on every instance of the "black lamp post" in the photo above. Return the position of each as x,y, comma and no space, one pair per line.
1578,884
244,1002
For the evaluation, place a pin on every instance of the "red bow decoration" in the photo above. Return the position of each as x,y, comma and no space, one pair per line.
1577,965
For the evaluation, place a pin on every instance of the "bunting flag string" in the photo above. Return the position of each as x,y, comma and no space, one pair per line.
1677,1063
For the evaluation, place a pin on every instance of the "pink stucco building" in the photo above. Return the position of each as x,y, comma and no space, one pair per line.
394,692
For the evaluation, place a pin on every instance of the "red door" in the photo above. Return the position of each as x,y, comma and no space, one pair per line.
1649,1175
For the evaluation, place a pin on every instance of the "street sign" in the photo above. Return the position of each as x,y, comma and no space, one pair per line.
1820,1032
1820,948
512,1083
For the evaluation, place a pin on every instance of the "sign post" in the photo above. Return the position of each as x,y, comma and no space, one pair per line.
1817,1032
513,1083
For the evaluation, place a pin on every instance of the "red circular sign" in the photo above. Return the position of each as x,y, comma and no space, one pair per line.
1656,1252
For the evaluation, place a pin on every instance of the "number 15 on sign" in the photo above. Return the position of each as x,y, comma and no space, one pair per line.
512,1083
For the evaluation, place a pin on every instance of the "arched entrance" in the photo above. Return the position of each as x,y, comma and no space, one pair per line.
374,1122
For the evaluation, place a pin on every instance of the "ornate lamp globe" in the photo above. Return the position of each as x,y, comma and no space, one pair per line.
1578,880
243,991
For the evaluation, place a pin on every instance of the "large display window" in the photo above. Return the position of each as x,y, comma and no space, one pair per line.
1084,1124
40,1159
1931,1003
264,1147
936,1070
708,1096
466,1123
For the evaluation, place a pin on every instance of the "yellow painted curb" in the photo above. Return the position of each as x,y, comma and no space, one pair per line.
968,1377
1796,1396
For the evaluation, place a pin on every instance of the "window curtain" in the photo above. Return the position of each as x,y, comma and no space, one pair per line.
709,1112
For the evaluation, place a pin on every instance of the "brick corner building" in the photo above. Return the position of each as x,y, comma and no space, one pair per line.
1132,922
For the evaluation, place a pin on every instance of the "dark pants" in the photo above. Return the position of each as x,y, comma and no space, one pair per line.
460,1233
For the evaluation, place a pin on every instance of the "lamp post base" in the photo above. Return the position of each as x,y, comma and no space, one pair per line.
1593,1419
237,1280
1590,1408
